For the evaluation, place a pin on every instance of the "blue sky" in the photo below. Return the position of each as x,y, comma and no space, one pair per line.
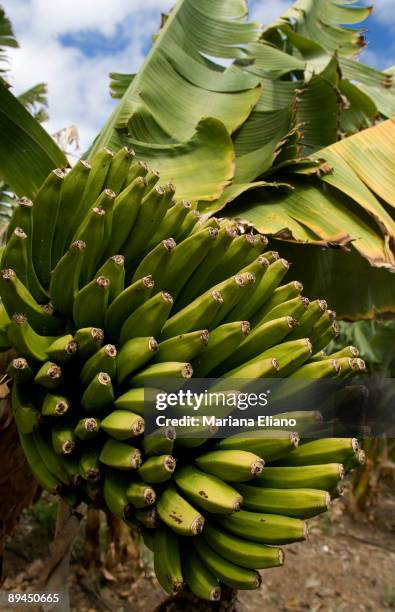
72,45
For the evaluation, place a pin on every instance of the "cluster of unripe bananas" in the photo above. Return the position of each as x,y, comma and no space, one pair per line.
107,282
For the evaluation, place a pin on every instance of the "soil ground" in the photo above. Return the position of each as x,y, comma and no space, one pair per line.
347,564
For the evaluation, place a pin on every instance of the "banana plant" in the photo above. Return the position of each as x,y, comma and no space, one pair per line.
294,137
111,277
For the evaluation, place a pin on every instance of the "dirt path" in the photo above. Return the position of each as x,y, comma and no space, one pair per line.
347,565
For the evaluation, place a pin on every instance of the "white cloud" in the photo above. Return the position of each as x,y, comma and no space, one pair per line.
384,11
78,83
266,11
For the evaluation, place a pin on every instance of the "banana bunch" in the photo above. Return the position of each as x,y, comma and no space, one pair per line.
107,282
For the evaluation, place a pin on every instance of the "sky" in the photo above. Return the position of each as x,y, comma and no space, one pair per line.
72,45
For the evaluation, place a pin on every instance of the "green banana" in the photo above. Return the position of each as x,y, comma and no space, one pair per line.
70,199
331,333
120,456
282,294
63,439
100,164
197,282
135,399
123,424
70,465
231,465
118,172
260,339
27,417
292,308
45,212
140,494
185,258
152,177
135,354
258,269
156,261
256,368
178,514
91,302
202,582
207,491
114,489
322,325
350,352
148,538
152,209
138,168
114,270
92,233
167,560
62,349
148,517
262,290
54,405
184,347
89,465
16,298
89,340
264,528
157,469
23,218
104,360
99,393
126,207
289,355
51,459
197,315
298,503
87,428
233,290
328,450
232,575
223,342
172,220
327,368
324,476
168,369
126,303
240,251
270,445
148,319
40,471
245,553
26,341
50,375
16,255
19,370
65,278
308,319
159,442
306,420
187,225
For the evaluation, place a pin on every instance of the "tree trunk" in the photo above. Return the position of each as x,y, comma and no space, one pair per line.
121,546
186,601
17,484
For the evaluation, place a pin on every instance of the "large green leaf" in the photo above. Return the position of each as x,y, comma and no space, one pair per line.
27,151
7,39
177,85
352,287
338,207
200,168
326,21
